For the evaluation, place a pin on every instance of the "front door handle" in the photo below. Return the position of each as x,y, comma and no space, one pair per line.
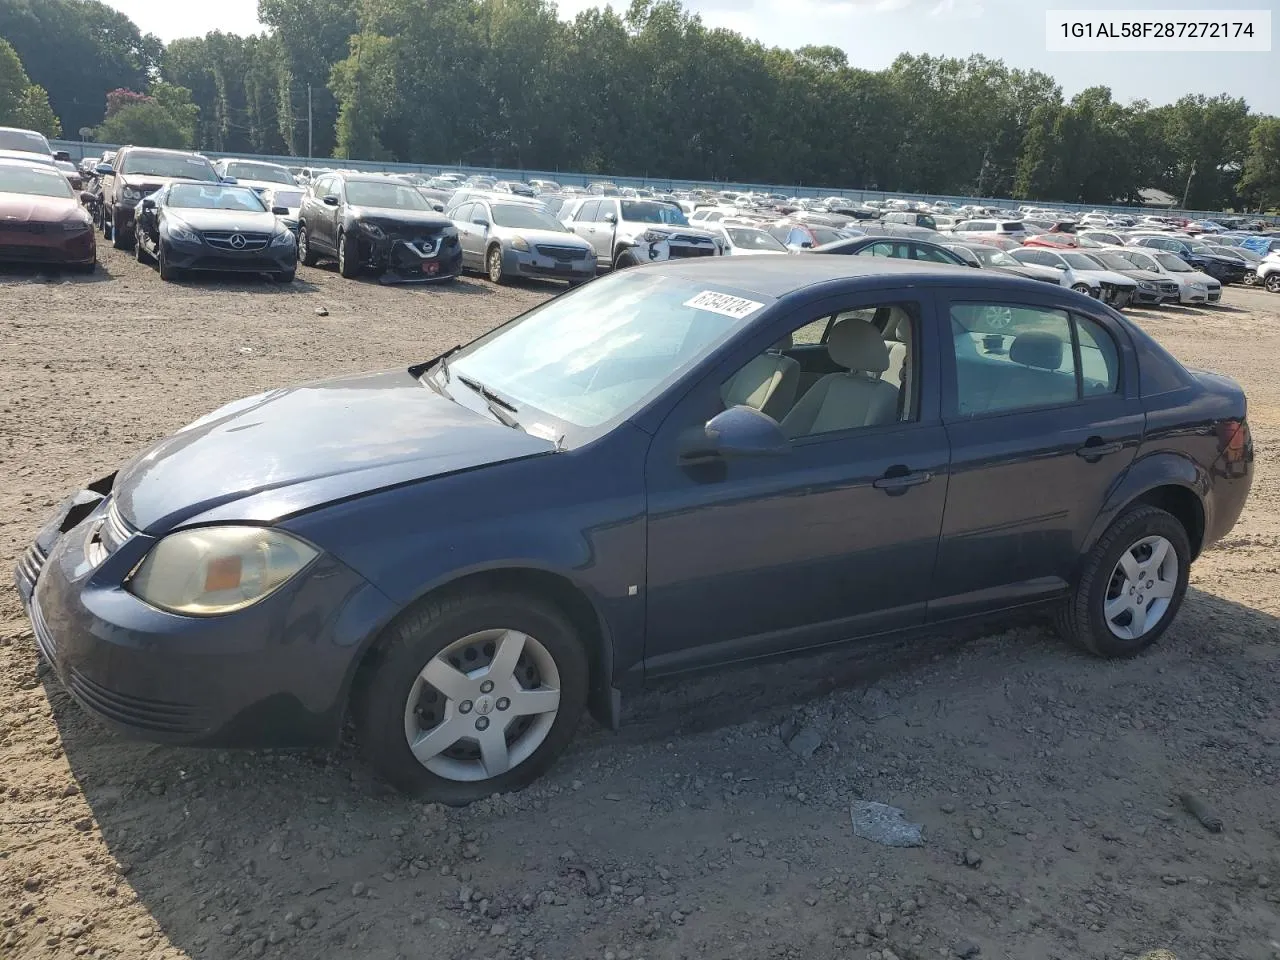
1095,448
895,482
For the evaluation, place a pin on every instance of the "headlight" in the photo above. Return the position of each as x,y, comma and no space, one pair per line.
1143,284
372,230
653,236
77,225
180,231
283,239
216,570
520,243
131,193
1196,285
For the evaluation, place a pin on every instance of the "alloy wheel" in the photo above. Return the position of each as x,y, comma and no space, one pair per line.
342,255
495,265
1273,283
302,244
1141,588
483,705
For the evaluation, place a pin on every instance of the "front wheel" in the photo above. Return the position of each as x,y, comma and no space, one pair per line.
139,251
625,259
348,255
285,276
1131,585
1272,283
120,235
493,263
306,256
168,273
474,693
1081,288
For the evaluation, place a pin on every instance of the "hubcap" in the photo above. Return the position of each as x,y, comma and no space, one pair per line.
495,265
342,253
482,705
1141,588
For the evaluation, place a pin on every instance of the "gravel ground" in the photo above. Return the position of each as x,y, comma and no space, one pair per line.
717,823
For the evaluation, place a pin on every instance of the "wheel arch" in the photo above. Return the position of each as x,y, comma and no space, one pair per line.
1171,481
567,596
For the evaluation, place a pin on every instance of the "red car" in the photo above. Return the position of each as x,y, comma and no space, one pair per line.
42,219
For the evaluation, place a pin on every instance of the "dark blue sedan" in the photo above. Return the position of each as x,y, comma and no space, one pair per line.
679,465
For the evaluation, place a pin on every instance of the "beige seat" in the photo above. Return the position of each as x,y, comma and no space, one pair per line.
768,383
897,337
856,398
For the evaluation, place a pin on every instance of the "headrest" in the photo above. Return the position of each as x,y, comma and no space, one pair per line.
782,345
1037,348
898,326
856,344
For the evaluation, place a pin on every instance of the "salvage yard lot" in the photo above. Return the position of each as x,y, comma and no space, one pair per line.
1047,781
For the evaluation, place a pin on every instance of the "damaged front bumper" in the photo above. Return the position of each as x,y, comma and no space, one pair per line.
414,261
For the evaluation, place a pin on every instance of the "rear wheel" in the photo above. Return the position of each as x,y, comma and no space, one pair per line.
306,256
1272,283
474,693
625,259
348,255
1131,586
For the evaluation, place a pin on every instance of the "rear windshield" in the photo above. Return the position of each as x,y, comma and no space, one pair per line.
266,172
145,163
1013,227
27,140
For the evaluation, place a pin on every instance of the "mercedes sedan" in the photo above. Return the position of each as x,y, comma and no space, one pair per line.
683,464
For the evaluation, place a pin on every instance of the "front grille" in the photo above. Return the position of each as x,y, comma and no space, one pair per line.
160,716
693,251
31,564
686,238
223,240
21,226
26,252
560,253
1169,288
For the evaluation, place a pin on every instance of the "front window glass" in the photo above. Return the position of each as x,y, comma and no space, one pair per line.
1173,263
214,197
599,352
148,163
524,218
385,193
1078,261
648,211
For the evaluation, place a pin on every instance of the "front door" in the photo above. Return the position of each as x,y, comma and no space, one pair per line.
1042,410
834,538
469,237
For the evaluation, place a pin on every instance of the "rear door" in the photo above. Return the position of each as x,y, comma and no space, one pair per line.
602,230
320,219
1042,411
583,221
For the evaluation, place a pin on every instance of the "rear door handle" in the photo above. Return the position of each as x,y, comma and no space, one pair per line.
1095,448
900,482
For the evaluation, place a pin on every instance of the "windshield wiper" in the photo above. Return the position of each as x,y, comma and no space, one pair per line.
498,406
418,369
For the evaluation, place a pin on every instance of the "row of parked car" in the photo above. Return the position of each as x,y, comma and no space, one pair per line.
185,213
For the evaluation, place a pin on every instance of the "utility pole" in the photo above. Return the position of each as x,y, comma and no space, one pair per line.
1187,192
310,145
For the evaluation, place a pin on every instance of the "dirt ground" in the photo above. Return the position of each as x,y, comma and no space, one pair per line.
1047,782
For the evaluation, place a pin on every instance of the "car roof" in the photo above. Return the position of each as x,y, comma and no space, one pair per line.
9,160
765,275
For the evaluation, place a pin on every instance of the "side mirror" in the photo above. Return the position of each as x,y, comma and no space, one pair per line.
1060,266
330,201
610,218
280,211
229,180
103,170
481,222
806,245
148,203
737,432
437,206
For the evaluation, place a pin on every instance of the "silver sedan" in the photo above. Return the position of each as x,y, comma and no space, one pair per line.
511,239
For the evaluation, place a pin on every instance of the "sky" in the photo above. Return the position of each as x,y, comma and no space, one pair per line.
874,32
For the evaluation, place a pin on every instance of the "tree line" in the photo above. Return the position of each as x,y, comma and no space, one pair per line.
649,92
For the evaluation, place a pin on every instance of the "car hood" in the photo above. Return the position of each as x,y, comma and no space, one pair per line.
1145,275
1032,271
145,183
543,236
224,219
394,217
667,229
295,448
25,208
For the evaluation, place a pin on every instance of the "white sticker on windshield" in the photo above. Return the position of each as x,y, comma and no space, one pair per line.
724,304
542,432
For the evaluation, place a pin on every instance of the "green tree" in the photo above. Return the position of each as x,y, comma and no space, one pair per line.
165,118
1260,177
23,103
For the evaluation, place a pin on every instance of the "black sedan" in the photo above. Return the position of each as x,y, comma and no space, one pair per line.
894,247
683,464
214,227
368,222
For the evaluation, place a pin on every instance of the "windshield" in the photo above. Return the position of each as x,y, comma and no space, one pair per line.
1113,261
746,238
649,211
823,235
1078,261
598,353
286,198
1173,264
266,172
524,218
25,140
214,197
993,257
145,164
34,181
385,193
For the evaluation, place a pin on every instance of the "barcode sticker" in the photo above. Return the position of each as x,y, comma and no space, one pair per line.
723,304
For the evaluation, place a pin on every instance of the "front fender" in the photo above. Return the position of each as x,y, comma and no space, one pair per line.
1163,468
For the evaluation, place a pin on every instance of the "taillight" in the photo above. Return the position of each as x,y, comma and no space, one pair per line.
1234,440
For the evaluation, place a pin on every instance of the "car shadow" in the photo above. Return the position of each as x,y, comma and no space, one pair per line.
51,273
239,282
460,284
198,832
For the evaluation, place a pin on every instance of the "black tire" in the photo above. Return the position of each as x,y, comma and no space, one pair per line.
348,255
1081,618
285,276
417,636
1082,288
104,218
625,259
1272,283
121,238
306,256
168,273
493,264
